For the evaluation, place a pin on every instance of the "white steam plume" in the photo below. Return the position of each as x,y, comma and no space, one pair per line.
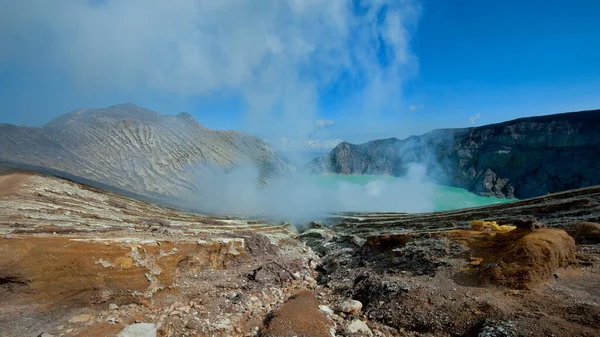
299,198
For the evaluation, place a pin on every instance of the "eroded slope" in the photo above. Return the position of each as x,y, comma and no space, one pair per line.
134,149
67,251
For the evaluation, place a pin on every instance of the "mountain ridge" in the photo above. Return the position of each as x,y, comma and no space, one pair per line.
517,158
136,149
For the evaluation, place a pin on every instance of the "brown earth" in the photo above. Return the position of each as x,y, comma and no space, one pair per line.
519,258
83,269
585,232
298,316
11,181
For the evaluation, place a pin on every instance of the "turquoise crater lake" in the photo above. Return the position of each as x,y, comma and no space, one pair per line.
388,189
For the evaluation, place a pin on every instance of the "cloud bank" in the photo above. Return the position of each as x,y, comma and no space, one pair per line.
276,56
473,119
322,123
280,60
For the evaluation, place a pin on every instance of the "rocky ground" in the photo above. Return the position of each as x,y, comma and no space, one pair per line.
78,261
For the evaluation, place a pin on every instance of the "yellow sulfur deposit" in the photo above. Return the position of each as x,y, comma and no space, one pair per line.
481,225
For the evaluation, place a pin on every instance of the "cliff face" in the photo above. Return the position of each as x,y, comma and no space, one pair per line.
522,158
133,149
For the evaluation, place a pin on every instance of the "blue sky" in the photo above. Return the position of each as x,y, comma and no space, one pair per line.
323,70
507,59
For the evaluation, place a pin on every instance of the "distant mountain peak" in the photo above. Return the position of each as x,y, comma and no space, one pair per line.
118,111
136,149
128,110
185,115
125,106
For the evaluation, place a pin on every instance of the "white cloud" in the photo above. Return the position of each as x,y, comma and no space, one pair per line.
284,144
415,107
321,123
474,119
324,144
276,55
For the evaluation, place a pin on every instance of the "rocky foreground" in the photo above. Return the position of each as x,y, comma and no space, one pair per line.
79,261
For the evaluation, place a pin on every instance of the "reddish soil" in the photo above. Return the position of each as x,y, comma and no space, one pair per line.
10,181
298,316
520,258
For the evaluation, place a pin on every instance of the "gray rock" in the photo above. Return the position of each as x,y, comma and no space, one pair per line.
192,324
138,330
113,306
309,280
350,307
222,324
358,327
584,232
315,238
423,256
498,329
327,310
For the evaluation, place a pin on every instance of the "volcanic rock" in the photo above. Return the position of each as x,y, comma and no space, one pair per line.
358,328
76,246
75,249
139,330
585,232
350,307
523,158
429,274
528,223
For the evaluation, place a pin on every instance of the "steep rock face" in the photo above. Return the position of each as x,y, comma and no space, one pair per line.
134,149
522,158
